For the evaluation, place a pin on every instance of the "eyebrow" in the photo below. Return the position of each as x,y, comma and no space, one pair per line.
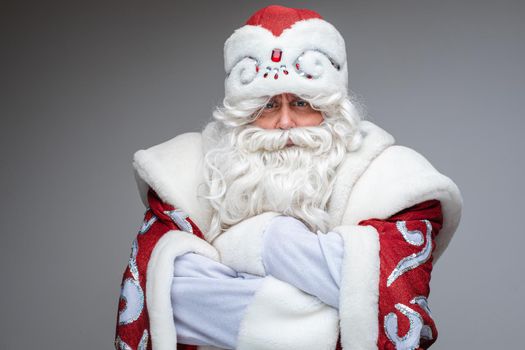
291,96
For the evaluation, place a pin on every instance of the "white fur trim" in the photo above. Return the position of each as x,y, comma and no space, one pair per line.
375,140
174,169
400,178
377,180
158,283
240,247
251,46
281,317
359,292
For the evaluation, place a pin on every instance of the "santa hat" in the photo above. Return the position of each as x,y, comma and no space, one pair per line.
281,49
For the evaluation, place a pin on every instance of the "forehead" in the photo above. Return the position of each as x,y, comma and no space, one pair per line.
287,95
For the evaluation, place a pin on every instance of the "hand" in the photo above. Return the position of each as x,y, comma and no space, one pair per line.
309,261
209,300
287,226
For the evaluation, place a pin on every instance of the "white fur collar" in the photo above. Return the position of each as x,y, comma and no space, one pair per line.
375,141
399,178
174,169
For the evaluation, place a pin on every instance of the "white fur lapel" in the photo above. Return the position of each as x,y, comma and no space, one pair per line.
377,180
174,169
375,140
400,178
380,179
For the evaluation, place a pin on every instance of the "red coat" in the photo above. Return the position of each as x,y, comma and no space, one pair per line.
408,292
396,215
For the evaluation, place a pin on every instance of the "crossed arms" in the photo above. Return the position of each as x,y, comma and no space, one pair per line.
315,265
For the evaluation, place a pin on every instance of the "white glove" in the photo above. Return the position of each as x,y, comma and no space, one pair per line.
208,300
306,260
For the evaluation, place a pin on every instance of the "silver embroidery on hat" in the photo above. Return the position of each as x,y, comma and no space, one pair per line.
312,63
245,69
413,260
410,341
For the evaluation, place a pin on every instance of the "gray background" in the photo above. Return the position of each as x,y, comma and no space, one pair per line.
85,85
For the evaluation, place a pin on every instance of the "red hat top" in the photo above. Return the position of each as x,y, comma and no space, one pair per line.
277,18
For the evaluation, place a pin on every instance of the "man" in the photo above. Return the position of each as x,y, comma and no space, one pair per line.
288,223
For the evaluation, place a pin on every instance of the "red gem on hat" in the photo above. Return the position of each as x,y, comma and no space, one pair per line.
276,55
277,18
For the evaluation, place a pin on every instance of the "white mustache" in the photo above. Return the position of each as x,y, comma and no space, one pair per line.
255,139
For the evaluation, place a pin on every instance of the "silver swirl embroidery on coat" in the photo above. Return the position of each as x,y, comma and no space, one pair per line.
146,225
180,218
410,341
414,237
143,343
426,331
413,260
133,296
133,268
120,345
423,303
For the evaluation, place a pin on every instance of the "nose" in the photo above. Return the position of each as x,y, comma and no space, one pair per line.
286,120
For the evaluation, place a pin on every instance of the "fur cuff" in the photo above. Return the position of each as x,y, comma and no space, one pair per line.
282,317
240,247
158,285
359,292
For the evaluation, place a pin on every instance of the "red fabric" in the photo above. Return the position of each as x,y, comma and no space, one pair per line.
132,332
393,248
413,283
277,18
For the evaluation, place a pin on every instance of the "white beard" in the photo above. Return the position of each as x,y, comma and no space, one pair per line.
251,171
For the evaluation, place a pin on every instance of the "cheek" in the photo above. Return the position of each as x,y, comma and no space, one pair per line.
262,122
312,119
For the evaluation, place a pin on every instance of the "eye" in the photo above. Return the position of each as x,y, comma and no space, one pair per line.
301,103
271,104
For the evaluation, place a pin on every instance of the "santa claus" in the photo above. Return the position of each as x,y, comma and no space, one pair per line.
289,222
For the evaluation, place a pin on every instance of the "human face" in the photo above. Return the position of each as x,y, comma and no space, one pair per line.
286,111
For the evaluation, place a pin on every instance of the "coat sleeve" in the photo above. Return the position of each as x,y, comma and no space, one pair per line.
280,316
145,318
385,276
385,280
